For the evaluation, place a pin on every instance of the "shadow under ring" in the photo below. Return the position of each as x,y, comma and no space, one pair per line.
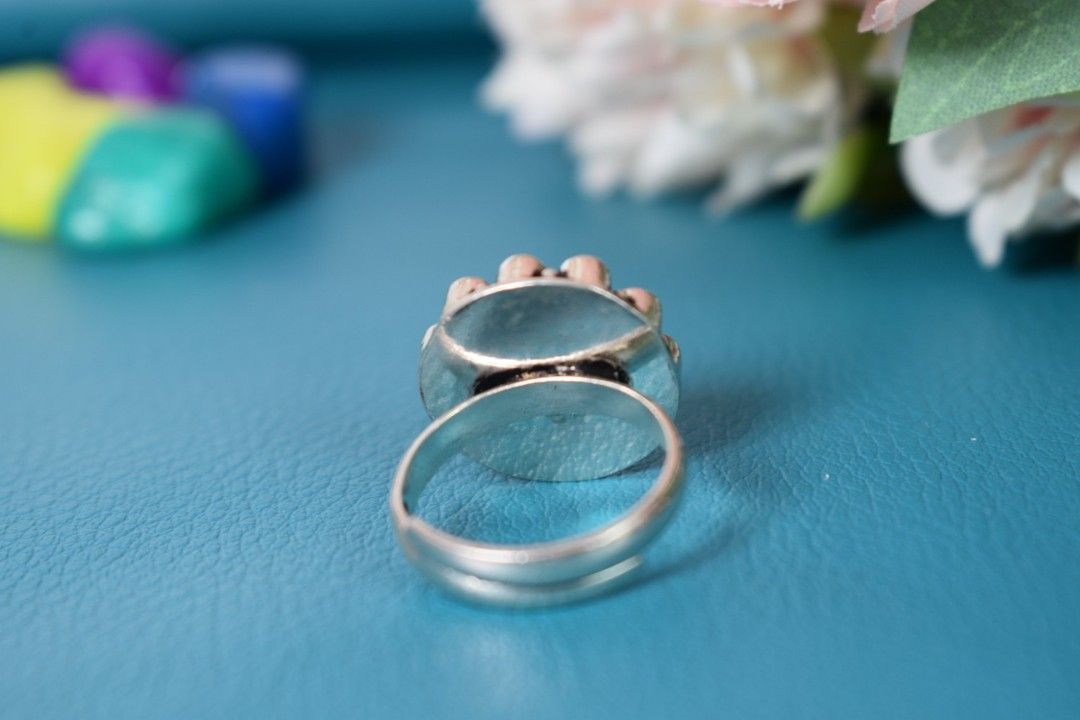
541,573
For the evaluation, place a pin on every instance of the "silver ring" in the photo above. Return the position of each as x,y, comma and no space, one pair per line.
544,573
546,374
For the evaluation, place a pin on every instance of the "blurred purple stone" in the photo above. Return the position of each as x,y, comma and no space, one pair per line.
122,62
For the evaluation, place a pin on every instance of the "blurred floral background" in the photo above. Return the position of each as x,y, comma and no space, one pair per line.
965,108
751,95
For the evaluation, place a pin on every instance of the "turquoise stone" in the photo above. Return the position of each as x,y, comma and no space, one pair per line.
156,179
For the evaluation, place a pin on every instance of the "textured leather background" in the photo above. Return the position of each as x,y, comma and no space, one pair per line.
882,508
30,27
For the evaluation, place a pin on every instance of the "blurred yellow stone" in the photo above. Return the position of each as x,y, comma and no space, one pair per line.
45,129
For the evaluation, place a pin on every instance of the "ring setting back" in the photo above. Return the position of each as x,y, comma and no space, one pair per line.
545,374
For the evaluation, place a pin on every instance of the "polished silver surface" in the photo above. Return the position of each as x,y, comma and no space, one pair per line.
546,374
539,321
545,573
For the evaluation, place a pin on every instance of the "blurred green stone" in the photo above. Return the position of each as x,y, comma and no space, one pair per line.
156,179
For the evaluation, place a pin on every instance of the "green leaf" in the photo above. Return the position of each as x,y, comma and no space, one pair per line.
837,179
968,57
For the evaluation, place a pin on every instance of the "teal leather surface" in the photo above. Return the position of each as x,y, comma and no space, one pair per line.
40,28
883,497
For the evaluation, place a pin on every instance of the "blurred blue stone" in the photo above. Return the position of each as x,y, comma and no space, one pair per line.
259,90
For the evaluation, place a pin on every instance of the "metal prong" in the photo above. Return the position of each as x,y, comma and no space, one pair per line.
427,336
519,267
645,302
586,269
672,348
463,287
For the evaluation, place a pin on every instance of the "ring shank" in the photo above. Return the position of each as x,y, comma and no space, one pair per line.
543,573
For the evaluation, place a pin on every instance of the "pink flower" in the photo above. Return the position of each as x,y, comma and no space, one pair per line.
884,15
881,16
755,3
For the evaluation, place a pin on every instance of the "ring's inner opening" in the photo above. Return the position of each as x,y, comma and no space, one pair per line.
529,424
472,501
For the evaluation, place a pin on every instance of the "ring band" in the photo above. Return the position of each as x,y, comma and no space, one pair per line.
542,573
546,374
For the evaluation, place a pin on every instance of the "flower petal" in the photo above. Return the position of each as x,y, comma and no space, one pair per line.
1005,212
884,15
987,232
1070,174
946,186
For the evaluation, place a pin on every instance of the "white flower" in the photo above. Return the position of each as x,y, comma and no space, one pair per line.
1015,171
659,94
